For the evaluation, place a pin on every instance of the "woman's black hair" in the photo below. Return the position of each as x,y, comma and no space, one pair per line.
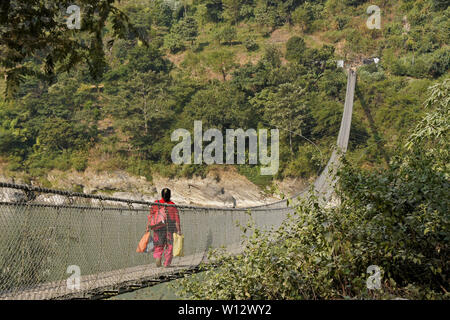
165,194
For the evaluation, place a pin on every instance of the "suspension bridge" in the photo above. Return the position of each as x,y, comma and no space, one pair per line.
44,233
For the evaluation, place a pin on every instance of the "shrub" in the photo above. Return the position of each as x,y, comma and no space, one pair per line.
79,161
440,4
308,16
372,73
342,21
295,49
266,16
440,63
253,174
246,11
250,44
355,3
431,65
395,219
226,34
174,42
307,163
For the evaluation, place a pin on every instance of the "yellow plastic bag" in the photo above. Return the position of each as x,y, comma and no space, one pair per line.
178,241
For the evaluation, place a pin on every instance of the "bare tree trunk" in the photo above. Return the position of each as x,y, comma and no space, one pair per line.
224,75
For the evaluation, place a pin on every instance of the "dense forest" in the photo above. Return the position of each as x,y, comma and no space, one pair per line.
232,64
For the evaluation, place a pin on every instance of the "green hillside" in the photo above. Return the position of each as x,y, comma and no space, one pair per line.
232,64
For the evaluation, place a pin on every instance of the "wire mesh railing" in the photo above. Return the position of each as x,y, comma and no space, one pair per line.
47,235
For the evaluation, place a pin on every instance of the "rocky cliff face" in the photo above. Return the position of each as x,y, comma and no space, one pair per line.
224,188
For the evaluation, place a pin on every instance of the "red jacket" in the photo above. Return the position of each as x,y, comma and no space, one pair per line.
173,216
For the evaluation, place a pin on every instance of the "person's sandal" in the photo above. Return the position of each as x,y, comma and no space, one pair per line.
158,263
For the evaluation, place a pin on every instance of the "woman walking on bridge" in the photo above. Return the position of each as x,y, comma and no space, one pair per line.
163,231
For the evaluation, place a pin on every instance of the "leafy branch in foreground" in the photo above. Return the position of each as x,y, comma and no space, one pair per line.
397,220
432,132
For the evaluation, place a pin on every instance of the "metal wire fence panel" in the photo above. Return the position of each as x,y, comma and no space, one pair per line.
47,236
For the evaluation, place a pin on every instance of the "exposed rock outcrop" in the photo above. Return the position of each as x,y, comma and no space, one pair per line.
220,188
